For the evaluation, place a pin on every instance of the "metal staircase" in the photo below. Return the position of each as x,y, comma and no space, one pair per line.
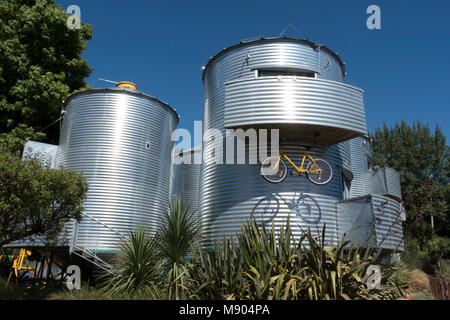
86,253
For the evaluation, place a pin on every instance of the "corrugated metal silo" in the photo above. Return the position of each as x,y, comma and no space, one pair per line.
243,90
119,139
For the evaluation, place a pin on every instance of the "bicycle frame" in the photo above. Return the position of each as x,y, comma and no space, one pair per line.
300,169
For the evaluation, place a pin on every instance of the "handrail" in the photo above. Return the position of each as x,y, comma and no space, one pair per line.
103,224
103,265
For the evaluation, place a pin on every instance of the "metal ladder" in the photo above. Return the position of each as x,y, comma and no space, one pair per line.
87,254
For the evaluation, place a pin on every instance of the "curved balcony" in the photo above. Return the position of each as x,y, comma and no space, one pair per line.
311,110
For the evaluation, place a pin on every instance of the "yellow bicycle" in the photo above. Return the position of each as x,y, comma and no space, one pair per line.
318,171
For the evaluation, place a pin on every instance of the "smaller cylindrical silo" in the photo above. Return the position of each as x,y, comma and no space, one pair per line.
120,140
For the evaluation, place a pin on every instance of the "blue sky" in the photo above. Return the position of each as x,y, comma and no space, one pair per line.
404,68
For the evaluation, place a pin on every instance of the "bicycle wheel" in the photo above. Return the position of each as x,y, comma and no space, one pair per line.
265,210
324,176
273,173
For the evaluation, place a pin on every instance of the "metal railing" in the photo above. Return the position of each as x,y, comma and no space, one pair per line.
87,254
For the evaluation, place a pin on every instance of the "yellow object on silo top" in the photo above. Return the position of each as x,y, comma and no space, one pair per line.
126,84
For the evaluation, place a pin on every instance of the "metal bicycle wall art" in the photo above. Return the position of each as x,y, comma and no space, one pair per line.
303,206
318,171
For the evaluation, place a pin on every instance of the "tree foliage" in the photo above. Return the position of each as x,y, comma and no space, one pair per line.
421,158
40,64
36,200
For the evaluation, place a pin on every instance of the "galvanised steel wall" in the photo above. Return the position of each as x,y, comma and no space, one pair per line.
46,153
381,181
372,216
388,223
186,182
311,106
355,219
392,180
346,156
104,136
232,193
229,194
240,61
359,150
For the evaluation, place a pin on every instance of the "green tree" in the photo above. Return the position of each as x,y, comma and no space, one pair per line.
36,200
421,158
40,64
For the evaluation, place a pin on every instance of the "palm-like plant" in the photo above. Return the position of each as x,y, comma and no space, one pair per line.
179,229
137,271
271,264
216,275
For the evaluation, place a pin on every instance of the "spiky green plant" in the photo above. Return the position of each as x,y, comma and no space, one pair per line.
137,271
179,228
216,275
335,272
265,263
272,265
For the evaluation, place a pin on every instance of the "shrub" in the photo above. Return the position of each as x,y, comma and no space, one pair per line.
267,264
137,271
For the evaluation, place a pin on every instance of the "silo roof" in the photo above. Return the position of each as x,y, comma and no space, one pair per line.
129,91
261,39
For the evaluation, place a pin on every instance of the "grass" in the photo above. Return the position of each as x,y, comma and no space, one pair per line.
15,292
421,295
12,292
89,293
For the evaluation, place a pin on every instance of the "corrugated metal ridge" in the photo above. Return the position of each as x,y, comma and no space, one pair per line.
269,40
297,79
120,90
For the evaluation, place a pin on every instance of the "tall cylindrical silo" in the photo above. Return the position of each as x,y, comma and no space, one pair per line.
119,139
291,85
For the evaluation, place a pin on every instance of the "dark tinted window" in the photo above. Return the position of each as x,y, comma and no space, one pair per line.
274,73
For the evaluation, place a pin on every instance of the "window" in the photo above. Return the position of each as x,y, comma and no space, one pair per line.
276,73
